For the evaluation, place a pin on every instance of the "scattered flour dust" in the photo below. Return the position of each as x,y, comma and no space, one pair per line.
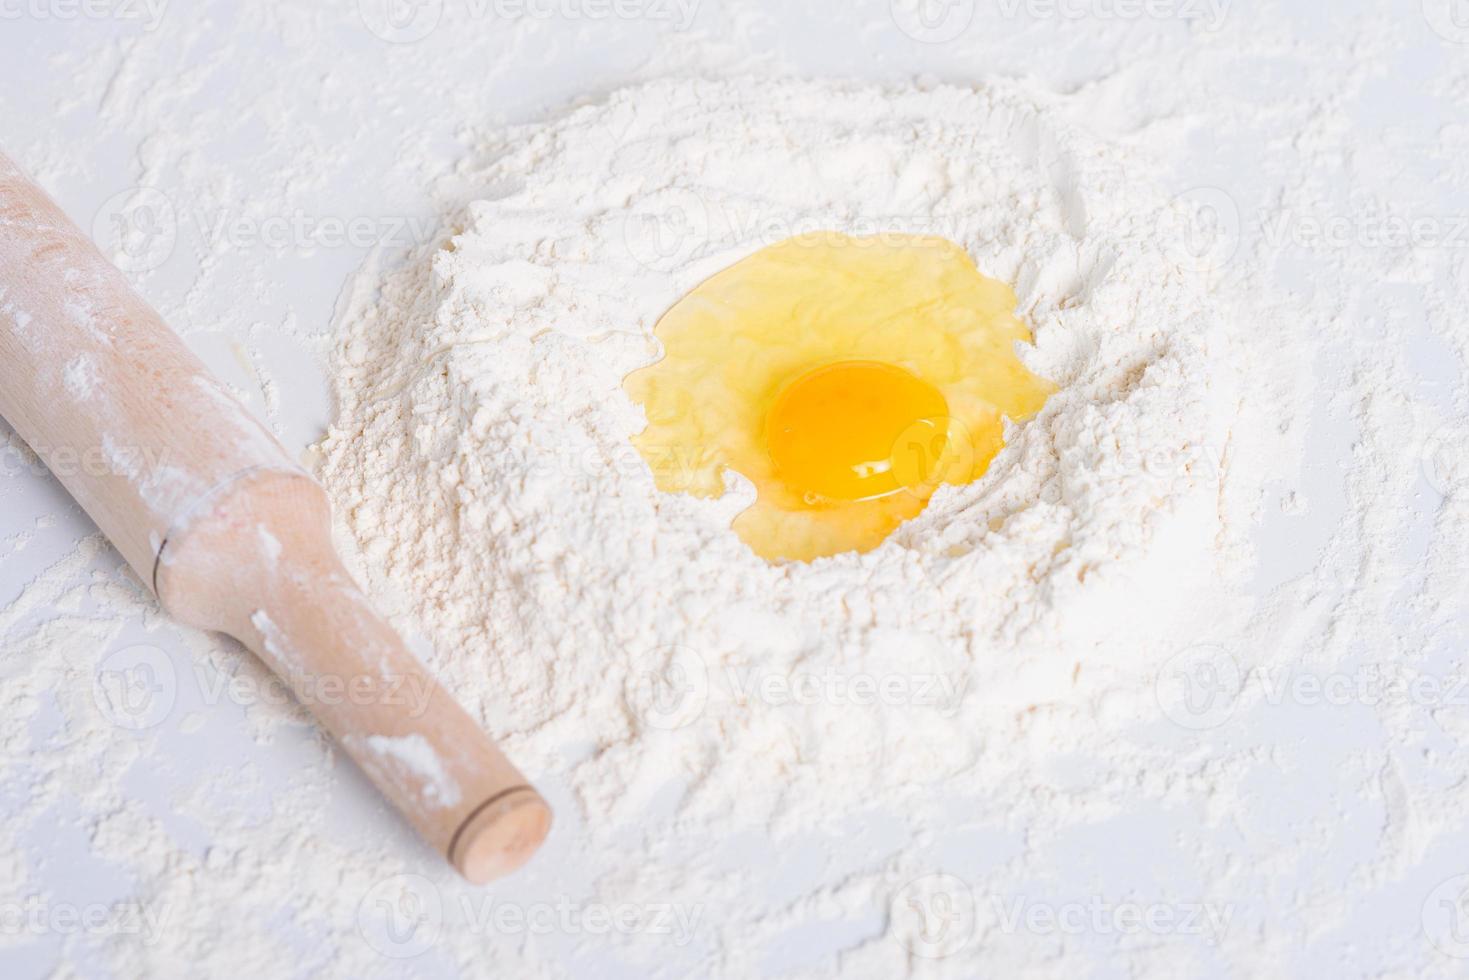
628,646
1021,791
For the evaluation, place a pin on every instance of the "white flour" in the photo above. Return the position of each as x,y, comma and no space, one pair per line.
965,754
484,439
482,462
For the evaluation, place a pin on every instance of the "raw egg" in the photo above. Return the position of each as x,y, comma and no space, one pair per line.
846,378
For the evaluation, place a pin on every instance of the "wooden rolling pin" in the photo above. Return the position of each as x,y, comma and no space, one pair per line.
229,532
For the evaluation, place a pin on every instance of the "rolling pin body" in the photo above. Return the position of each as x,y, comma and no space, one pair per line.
230,533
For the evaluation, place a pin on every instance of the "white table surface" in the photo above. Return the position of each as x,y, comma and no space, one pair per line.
214,63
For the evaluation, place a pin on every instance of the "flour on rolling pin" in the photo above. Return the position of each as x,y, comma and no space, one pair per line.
230,533
132,464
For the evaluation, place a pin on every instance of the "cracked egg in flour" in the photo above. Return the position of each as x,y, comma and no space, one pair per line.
846,378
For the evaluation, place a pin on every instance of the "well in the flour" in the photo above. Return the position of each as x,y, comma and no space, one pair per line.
846,377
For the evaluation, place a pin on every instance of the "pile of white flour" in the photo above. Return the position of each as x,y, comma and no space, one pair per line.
972,752
626,641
